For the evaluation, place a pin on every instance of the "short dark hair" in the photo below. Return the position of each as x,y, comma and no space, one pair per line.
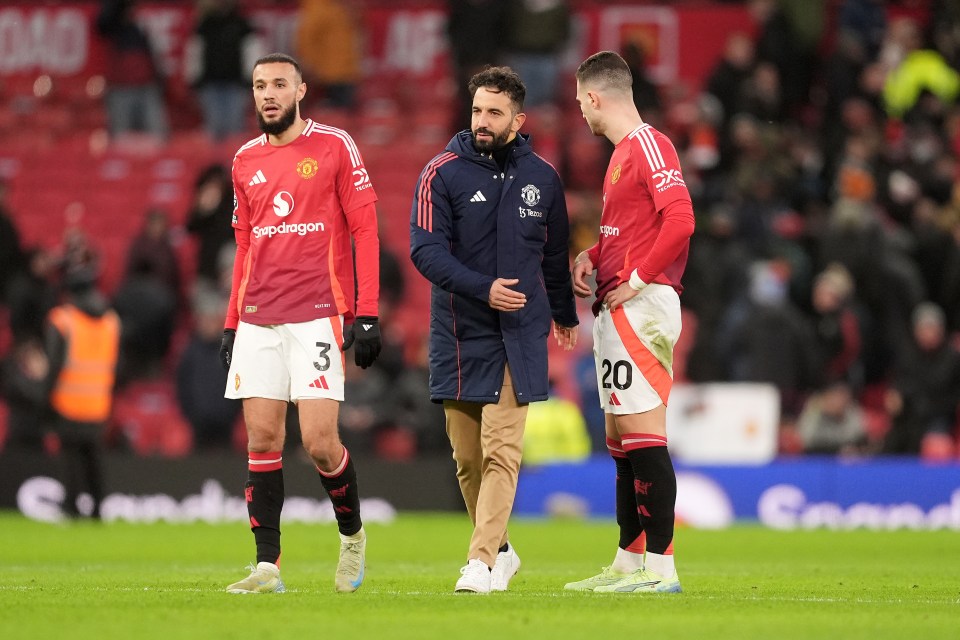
607,69
501,80
271,58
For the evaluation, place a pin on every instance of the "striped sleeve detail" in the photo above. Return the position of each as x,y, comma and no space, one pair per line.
632,441
425,193
268,461
644,136
316,127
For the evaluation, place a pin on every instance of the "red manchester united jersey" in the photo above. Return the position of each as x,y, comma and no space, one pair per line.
643,179
296,201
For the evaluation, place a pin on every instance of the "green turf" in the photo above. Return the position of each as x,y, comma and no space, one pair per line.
166,582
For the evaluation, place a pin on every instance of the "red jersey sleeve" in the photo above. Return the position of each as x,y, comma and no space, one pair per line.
664,181
357,199
241,224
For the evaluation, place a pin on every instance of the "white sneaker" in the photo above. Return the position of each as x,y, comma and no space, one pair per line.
475,578
352,564
263,578
505,567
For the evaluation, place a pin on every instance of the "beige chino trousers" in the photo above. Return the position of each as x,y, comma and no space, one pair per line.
487,441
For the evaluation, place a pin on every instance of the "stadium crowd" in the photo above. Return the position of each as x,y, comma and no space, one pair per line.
821,152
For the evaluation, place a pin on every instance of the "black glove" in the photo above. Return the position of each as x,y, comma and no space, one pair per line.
365,331
226,347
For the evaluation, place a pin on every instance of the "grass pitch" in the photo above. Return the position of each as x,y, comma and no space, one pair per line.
166,581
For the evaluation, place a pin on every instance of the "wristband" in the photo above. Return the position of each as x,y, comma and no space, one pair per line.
635,282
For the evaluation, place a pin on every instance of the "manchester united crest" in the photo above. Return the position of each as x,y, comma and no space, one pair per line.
530,195
615,175
236,382
307,168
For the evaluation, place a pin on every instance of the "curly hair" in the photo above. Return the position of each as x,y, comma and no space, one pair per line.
500,80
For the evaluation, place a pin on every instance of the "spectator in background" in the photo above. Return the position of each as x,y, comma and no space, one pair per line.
32,294
537,31
782,42
152,251
12,258
327,43
646,94
82,344
765,338
135,100
218,60
201,379
23,376
836,326
147,300
209,221
832,421
925,393
731,72
474,29
914,71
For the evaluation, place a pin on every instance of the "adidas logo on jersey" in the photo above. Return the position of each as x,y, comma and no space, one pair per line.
478,197
319,383
258,178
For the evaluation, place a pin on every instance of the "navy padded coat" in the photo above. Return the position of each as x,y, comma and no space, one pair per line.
471,224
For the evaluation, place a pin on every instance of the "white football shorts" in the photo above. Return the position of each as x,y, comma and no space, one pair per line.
288,361
633,350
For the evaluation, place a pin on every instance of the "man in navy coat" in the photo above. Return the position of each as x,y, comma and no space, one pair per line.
489,230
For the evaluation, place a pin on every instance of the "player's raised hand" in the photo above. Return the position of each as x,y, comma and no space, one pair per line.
582,267
503,298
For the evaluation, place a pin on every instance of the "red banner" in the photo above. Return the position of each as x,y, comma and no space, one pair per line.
407,40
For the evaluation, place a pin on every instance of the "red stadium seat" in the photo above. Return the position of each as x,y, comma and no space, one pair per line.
147,417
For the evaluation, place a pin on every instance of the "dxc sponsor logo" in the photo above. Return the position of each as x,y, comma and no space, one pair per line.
362,179
668,178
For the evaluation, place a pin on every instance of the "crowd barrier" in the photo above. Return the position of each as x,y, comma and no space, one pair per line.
819,492
802,493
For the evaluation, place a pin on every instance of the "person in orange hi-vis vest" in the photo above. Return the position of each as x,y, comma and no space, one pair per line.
82,344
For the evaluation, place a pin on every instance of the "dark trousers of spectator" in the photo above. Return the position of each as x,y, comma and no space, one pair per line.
81,449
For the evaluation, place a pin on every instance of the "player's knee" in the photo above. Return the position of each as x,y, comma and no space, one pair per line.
325,451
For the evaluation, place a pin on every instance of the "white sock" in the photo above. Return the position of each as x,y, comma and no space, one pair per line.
354,538
627,561
661,564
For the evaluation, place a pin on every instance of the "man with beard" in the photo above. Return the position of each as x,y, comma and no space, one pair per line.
489,230
300,192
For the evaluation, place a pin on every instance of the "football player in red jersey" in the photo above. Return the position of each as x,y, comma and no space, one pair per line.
301,192
645,230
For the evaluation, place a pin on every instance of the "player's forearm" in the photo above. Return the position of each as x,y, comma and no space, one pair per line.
678,224
366,240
